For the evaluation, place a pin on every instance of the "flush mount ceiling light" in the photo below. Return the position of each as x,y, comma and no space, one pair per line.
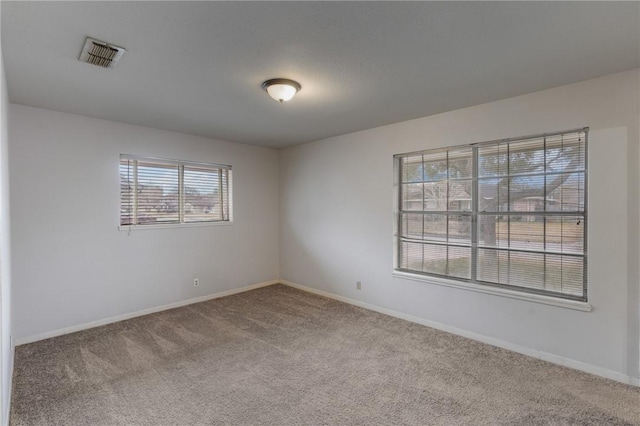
281,89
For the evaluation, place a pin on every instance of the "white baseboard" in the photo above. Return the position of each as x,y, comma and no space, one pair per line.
105,321
545,356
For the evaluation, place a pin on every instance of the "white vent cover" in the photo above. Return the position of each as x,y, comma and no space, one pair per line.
100,53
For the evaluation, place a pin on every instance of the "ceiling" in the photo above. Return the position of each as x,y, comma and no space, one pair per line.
197,67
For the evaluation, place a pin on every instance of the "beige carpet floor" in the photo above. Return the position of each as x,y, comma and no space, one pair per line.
280,356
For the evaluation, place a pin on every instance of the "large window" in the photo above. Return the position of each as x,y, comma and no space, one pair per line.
164,192
509,213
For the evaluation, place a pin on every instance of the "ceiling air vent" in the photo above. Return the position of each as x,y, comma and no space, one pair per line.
100,53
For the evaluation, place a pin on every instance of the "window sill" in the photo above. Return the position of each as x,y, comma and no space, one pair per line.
536,298
127,228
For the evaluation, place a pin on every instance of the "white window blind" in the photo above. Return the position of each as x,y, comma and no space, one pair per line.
509,213
157,191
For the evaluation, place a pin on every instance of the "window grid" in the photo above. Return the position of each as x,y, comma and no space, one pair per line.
170,192
540,207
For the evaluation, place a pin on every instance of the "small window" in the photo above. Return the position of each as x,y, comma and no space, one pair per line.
168,192
509,213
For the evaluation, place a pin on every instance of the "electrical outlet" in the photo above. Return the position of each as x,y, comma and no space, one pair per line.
196,282
358,285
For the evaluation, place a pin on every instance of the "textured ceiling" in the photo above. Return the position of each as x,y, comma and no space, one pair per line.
197,67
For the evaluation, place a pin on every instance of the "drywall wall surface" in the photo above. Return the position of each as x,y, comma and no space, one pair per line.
6,346
337,222
71,264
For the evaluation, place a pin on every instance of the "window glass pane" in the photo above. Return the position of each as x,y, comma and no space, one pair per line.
435,227
493,266
565,234
435,166
436,259
460,164
511,268
411,256
412,225
226,199
459,229
526,157
460,195
412,197
565,192
493,160
430,227
157,193
493,231
526,270
459,262
527,232
454,229
435,196
412,169
526,194
493,195
564,274
565,152
126,192
202,201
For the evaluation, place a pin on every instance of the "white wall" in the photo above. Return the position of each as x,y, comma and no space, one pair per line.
6,344
336,223
71,264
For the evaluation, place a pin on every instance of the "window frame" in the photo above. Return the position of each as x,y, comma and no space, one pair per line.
473,283
180,165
